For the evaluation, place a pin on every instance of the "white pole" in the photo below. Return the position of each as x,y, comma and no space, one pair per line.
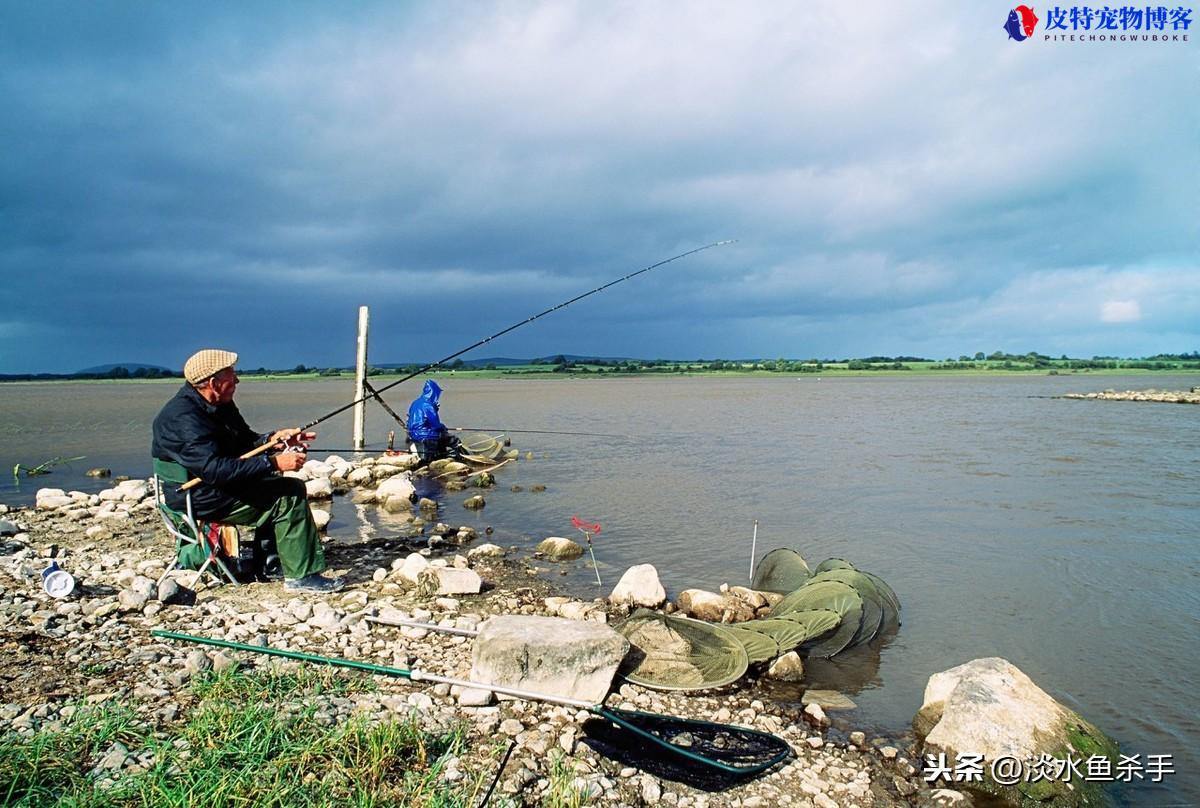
753,551
360,379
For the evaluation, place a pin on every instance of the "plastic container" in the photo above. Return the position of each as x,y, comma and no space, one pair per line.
57,582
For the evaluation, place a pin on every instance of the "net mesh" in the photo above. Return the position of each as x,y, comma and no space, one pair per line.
702,754
678,653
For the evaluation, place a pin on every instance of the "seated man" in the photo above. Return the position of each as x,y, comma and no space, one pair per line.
431,440
201,430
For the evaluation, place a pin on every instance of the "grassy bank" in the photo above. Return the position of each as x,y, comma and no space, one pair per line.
246,739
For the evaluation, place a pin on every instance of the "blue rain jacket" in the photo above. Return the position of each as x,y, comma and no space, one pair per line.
423,421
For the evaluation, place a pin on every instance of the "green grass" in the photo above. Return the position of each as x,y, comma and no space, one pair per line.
249,740
561,793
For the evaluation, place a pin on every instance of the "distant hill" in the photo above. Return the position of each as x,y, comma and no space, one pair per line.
498,361
579,360
130,366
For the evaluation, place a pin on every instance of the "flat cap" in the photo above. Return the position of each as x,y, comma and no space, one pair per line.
208,362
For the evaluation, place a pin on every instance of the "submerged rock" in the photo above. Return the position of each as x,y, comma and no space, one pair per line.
557,548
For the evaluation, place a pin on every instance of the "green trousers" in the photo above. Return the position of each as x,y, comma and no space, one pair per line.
281,503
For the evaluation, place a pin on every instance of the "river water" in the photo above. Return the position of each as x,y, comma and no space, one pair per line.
1058,534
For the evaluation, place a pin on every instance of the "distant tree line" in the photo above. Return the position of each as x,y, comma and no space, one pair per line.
559,363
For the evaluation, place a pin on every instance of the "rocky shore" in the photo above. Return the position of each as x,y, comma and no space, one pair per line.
96,648
1161,396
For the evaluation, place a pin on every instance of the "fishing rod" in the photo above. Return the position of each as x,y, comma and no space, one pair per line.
375,393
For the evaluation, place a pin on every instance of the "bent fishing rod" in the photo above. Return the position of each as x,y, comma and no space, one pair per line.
376,393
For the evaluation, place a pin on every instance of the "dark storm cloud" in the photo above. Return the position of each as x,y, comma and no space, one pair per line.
174,175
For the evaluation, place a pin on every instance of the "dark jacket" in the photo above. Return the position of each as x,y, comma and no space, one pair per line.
423,421
207,440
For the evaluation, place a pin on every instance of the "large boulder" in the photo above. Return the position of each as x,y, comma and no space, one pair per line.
639,586
989,707
548,655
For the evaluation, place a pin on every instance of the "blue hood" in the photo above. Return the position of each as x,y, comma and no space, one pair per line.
431,392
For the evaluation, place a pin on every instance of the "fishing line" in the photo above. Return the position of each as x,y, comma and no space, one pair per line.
375,393
513,327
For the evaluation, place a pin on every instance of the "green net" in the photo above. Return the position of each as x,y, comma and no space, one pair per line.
670,652
781,571
833,595
873,602
760,646
833,564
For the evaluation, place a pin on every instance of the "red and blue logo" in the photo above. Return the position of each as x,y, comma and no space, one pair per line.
1021,22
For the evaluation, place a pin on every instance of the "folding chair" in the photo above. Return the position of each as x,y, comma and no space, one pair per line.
187,529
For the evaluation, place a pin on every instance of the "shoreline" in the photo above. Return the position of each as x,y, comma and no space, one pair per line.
825,374
61,647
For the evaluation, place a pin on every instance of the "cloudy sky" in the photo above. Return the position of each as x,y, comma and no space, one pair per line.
901,178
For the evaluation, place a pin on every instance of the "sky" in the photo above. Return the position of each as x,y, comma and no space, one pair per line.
901,179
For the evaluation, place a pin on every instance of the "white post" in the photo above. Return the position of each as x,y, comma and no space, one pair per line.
360,379
753,552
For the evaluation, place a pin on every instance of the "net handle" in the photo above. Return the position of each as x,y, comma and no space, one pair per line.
622,718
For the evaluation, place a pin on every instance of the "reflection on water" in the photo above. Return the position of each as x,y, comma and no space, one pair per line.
1058,534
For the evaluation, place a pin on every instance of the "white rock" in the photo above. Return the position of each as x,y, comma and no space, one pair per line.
815,715
397,485
413,566
133,490
639,586
316,468
548,655
990,707
319,488
474,697
485,551
48,499
449,581
359,476
321,517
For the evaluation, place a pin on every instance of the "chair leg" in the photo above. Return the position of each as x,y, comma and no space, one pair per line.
229,575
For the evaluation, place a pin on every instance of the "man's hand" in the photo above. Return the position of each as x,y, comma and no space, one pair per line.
289,461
